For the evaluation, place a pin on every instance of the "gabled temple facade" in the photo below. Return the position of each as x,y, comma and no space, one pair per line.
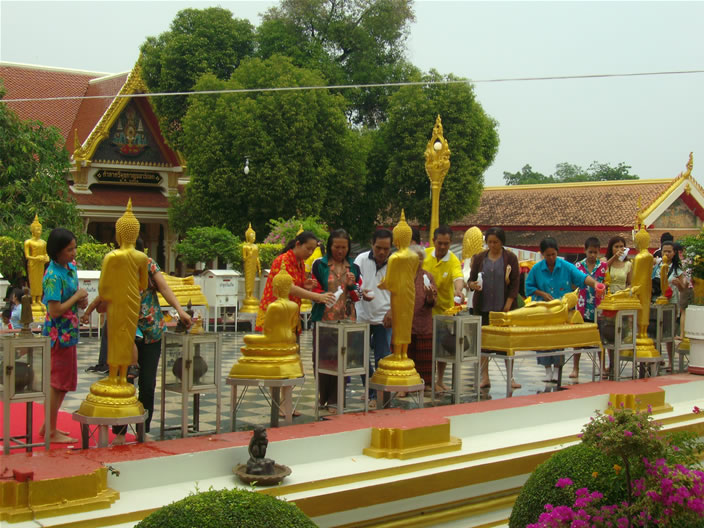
572,212
116,146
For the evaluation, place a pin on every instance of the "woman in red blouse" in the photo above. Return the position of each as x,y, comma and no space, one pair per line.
294,256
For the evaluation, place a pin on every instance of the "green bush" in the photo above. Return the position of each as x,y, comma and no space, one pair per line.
284,230
267,254
584,465
205,244
89,256
11,258
228,509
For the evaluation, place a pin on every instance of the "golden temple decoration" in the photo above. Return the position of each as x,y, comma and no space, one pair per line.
621,300
472,242
185,289
252,268
398,368
664,284
437,163
274,353
123,277
641,277
35,253
541,313
640,402
412,442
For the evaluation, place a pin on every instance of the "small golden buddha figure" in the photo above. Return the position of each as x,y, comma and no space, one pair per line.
397,368
35,253
541,313
252,268
273,354
124,275
664,284
641,277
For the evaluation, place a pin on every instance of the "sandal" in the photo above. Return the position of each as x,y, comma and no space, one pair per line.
132,372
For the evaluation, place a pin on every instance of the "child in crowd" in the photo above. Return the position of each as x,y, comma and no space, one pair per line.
588,301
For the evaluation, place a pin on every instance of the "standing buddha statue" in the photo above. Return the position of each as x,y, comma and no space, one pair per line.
252,268
35,253
641,277
397,368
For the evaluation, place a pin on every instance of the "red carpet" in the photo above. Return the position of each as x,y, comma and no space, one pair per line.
65,422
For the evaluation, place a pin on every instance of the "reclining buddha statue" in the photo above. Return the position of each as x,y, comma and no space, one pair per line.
541,313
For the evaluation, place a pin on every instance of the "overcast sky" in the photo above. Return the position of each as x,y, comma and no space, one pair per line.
648,122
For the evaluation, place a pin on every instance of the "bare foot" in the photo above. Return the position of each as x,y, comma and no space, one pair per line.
485,383
574,374
331,409
119,440
440,385
402,394
515,384
41,431
60,438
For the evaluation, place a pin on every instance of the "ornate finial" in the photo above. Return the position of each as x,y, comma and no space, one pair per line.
127,227
690,164
402,232
300,229
78,153
35,224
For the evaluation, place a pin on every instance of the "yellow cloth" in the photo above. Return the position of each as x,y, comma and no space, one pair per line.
444,271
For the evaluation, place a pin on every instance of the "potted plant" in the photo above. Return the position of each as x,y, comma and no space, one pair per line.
694,316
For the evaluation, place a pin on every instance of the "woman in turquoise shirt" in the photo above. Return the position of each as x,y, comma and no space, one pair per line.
549,279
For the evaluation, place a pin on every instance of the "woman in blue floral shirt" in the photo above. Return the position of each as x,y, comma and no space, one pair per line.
62,298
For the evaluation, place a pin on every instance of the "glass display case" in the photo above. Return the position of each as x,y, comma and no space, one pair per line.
26,373
457,340
190,365
665,317
342,349
618,330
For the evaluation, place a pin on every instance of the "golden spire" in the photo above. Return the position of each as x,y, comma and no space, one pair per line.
127,227
249,231
300,229
35,224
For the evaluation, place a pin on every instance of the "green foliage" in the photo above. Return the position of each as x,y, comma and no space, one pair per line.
569,173
227,509
284,230
89,255
199,41
33,166
303,159
267,254
397,177
11,258
348,42
205,244
694,254
585,465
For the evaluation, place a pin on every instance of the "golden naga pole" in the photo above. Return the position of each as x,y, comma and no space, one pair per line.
437,163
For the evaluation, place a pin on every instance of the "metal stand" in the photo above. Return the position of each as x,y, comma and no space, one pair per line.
466,336
101,426
275,401
385,394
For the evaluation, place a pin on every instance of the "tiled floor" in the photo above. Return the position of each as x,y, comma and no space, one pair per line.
255,410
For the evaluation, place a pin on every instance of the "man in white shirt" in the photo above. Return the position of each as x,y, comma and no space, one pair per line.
375,306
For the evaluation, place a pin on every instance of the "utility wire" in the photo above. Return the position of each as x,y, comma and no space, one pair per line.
359,86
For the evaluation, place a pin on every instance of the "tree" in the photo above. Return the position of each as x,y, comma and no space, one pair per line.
205,244
303,159
349,42
397,164
199,41
570,173
33,169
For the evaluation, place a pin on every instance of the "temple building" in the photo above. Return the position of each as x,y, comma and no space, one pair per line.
572,212
116,147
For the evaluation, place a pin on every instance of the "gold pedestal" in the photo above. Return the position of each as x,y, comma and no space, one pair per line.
268,363
644,348
250,305
111,400
510,339
639,402
394,370
662,300
38,312
306,305
413,442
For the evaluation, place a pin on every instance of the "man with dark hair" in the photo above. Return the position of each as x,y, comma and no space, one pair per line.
446,269
375,306
665,237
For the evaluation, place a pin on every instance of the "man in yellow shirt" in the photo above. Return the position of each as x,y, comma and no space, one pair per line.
447,272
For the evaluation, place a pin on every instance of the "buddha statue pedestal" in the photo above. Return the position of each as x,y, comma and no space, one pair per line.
38,312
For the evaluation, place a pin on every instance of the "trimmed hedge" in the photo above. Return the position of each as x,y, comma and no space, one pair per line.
228,509
579,463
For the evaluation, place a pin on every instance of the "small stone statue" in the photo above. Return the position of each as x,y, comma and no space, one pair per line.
26,317
257,463
180,327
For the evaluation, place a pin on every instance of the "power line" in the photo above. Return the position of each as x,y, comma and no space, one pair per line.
360,86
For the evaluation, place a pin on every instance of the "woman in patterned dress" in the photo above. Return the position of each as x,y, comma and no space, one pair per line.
62,298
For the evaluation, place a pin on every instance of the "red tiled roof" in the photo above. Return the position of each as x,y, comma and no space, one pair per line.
116,195
605,204
23,81
91,110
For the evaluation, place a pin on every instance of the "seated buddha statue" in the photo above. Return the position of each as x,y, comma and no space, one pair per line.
540,313
273,354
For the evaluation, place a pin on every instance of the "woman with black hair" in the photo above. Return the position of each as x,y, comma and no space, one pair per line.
294,256
333,272
618,265
677,282
62,298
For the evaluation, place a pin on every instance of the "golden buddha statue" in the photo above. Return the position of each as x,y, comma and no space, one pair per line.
664,284
472,243
641,277
397,368
273,354
124,275
35,253
541,313
252,268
